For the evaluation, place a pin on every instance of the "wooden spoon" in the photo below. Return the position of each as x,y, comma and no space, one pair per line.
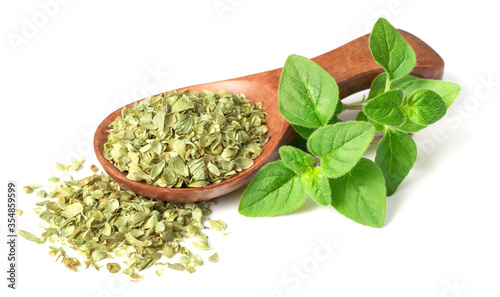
351,65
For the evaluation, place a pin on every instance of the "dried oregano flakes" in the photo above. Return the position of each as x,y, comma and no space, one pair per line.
188,138
104,222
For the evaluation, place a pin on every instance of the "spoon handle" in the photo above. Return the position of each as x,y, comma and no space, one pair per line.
362,69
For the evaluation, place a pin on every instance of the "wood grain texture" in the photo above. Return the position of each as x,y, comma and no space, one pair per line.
351,65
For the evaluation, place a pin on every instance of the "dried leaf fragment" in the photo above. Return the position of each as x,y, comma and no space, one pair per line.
113,267
201,245
217,225
94,168
214,258
72,210
75,165
176,266
29,236
98,255
42,194
71,263
28,189
159,272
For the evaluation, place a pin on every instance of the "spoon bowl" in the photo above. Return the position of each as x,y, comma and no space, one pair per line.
351,65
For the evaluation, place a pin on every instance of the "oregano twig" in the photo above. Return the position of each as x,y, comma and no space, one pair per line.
332,170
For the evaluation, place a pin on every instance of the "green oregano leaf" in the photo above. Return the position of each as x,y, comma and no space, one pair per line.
360,194
307,94
447,90
317,186
424,107
340,146
396,154
276,189
386,108
390,50
295,159
378,85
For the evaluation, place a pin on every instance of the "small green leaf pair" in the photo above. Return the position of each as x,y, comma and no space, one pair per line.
329,166
423,107
410,104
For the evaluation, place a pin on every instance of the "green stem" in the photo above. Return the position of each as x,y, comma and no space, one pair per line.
387,84
353,106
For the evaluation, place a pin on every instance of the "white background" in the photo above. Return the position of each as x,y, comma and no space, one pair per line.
64,67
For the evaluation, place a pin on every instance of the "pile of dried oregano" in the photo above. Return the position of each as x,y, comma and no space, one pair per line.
102,221
187,138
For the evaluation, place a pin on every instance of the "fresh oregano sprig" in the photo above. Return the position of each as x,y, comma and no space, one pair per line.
330,167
